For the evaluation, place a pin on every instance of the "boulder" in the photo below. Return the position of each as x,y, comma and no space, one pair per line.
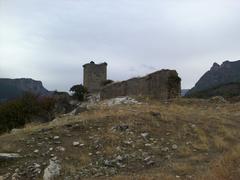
79,110
52,171
8,156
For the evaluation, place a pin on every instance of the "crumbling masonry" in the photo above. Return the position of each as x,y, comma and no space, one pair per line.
162,85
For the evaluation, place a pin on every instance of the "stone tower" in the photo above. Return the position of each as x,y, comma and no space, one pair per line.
94,75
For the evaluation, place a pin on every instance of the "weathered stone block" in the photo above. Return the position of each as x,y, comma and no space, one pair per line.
164,84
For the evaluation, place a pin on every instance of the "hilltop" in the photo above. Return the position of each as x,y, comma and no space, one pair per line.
183,139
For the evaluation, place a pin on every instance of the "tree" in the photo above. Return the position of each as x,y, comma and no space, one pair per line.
79,92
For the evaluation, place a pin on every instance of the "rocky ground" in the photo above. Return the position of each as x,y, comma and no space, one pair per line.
125,139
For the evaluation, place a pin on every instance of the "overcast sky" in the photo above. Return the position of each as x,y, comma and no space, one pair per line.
50,40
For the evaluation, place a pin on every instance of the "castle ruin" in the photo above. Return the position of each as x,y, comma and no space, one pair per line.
162,85
94,75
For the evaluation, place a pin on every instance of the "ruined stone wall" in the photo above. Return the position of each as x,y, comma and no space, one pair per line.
94,75
164,84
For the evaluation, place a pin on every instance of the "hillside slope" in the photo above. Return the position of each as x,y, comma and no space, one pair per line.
226,73
183,139
13,88
229,91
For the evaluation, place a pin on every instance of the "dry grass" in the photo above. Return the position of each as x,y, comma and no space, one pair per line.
220,143
185,151
207,135
226,167
182,167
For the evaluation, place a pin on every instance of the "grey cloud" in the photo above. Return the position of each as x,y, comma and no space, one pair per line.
51,40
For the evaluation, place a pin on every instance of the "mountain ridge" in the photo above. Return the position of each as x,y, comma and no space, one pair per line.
13,88
226,73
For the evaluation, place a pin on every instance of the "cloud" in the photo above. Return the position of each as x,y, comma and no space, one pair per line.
51,40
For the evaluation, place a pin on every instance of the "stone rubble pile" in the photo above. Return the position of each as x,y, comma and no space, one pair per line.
120,100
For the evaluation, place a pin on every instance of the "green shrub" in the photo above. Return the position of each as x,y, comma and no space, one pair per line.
17,113
79,92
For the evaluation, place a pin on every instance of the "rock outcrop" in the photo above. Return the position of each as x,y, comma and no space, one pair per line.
164,84
226,74
13,88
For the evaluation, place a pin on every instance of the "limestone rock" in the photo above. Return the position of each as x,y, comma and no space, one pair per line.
79,110
174,146
145,135
52,171
56,137
8,156
121,100
60,149
14,131
76,143
36,151
165,149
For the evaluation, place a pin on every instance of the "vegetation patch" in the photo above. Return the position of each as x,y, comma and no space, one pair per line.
16,113
228,91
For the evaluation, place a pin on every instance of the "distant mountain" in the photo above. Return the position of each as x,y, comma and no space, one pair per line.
219,80
184,92
230,90
13,88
